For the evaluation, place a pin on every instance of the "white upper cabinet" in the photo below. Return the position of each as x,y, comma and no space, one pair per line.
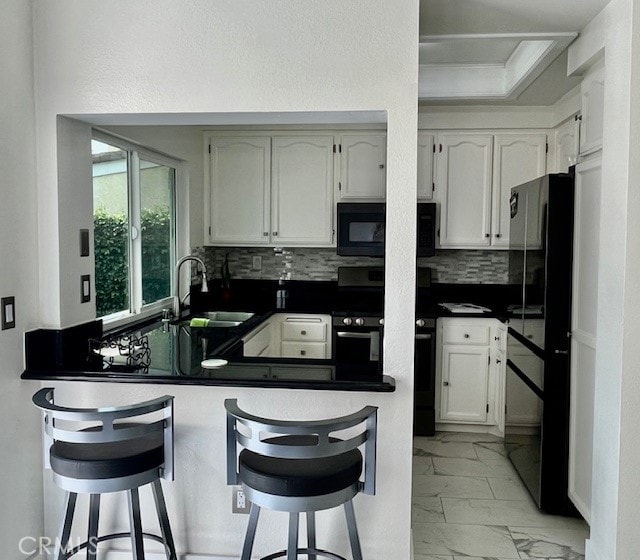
363,170
567,145
426,185
464,184
271,190
301,190
240,178
592,92
518,158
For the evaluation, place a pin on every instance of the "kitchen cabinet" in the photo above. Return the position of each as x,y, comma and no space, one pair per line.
464,165
584,331
259,342
518,158
592,96
475,173
567,142
305,336
363,170
426,184
302,190
240,183
470,369
271,190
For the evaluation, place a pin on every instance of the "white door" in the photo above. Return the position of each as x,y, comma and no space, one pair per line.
425,166
517,158
240,175
464,189
302,190
584,332
465,377
363,169
567,140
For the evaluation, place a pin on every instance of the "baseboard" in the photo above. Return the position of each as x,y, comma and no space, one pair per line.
468,428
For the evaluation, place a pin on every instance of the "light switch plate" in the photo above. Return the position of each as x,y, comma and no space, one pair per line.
8,307
85,288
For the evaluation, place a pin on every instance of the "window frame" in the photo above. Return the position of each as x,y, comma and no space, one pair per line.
135,153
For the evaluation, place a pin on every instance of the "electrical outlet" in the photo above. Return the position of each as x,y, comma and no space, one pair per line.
240,503
257,263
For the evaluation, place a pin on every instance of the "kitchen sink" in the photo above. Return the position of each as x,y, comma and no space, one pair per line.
236,317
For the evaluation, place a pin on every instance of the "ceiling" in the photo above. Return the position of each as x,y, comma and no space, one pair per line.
505,52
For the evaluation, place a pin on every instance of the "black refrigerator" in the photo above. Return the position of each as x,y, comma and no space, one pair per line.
537,382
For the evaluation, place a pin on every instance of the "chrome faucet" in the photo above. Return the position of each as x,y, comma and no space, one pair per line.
176,297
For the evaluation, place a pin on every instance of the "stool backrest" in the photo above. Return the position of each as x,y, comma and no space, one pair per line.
324,446
61,424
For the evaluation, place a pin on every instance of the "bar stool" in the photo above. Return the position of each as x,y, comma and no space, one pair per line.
110,456
299,467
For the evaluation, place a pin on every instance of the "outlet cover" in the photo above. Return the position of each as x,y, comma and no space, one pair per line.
85,288
8,306
257,263
240,503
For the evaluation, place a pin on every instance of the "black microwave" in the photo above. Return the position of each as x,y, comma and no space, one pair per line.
361,229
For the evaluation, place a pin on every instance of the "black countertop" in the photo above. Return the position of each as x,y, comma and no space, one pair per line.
175,351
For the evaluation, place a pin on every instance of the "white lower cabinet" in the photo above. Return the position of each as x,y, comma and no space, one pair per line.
470,368
286,335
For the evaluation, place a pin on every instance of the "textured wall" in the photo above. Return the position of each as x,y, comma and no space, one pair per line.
454,267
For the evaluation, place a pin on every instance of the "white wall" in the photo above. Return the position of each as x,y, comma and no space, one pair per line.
616,460
225,56
20,460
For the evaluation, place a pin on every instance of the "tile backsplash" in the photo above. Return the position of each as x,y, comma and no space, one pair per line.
448,266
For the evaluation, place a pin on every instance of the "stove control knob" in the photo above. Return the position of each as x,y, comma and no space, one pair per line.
347,321
380,322
420,323
359,321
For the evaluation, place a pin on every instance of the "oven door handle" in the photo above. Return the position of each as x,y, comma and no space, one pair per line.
423,336
344,334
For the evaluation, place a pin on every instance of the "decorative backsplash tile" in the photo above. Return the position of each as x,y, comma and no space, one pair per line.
448,266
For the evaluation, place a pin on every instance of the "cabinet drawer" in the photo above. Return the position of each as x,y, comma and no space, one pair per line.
312,350
466,334
303,331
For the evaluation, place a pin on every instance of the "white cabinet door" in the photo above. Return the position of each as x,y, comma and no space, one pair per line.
425,165
363,170
465,376
240,174
518,158
464,189
584,331
302,190
592,91
567,140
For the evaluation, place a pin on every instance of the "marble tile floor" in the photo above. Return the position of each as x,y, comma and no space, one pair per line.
470,504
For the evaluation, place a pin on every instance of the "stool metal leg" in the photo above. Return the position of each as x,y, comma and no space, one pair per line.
163,518
251,532
92,534
311,534
292,546
65,529
135,523
353,530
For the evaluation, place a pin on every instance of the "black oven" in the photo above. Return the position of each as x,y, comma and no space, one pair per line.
361,229
357,342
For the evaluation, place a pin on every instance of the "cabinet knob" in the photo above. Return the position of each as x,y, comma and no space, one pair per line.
466,335
274,233
265,233
496,338
498,361
381,166
303,332
498,235
445,383
303,352
487,235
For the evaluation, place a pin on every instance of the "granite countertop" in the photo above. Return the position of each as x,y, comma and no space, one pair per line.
154,352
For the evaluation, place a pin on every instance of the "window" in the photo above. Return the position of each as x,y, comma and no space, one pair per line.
134,196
